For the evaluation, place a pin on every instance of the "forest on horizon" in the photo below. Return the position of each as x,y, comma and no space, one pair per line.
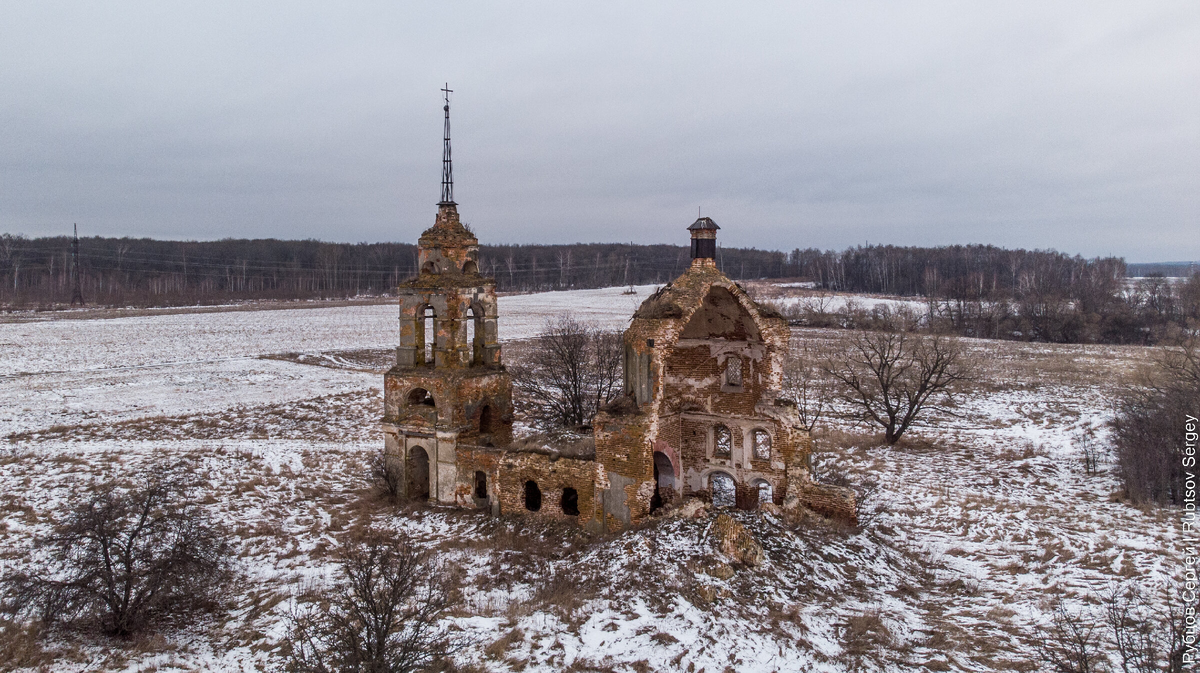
38,273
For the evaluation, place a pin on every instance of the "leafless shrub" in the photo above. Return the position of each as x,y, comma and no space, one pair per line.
865,634
386,472
1138,636
1072,643
1148,428
1180,617
127,556
381,617
889,378
868,502
570,371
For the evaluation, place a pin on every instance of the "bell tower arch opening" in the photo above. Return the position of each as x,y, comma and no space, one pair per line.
474,320
427,337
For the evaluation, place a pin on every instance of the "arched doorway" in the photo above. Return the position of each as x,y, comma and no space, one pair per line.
765,492
723,489
664,481
480,485
533,496
418,473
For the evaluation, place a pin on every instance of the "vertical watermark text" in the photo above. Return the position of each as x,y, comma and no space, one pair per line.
1191,534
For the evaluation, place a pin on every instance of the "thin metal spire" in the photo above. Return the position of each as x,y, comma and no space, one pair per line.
447,169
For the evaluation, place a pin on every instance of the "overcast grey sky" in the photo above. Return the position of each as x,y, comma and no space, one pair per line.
1071,125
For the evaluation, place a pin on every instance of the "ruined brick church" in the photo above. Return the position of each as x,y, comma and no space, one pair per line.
701,415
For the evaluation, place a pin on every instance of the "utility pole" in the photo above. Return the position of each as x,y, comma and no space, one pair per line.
76,290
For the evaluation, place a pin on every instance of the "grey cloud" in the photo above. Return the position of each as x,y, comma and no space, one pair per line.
1071,125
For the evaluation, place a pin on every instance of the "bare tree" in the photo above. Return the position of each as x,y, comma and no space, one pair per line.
1146,435
889,378
382,617
804,384
571,371
129,554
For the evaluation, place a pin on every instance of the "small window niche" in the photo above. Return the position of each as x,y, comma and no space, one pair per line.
762,445
733,372
722,442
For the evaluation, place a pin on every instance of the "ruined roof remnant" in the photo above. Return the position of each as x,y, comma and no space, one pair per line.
703,223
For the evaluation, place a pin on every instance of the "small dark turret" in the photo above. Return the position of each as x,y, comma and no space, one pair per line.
704,241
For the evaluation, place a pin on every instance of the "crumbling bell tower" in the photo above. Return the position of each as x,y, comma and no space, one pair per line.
448,386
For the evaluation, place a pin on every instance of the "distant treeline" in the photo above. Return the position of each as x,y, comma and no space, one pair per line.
976,287
990,292
146,272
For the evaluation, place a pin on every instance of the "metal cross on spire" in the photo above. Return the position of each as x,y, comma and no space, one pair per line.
447,170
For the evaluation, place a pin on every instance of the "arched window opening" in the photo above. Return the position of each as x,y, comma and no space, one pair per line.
470,266
533,496
418,473
486,422
733,371
570,502
420,396
724,490
722,442
480,485
765,493
429,267
762,445
429,335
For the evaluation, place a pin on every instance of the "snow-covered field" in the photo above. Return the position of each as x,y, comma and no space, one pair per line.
64,372
976,527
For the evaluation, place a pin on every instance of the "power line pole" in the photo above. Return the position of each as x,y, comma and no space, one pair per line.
76,290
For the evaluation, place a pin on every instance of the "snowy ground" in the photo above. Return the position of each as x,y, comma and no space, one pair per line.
64,372
979,522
